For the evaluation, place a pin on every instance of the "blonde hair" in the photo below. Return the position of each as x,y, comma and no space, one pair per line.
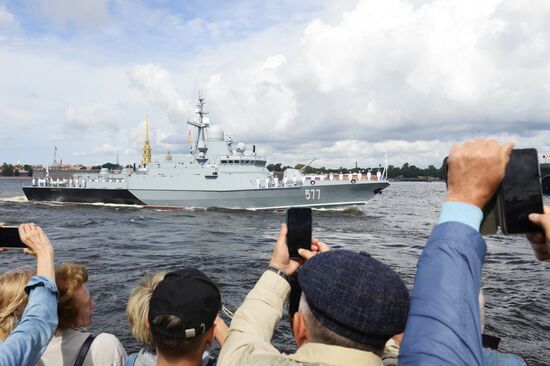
69,277
138,308
12,297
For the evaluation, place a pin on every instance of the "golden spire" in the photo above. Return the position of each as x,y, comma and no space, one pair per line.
146,154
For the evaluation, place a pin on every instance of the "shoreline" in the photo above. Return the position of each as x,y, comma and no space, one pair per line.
15,178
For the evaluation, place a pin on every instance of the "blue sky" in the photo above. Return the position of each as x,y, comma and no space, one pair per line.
342,81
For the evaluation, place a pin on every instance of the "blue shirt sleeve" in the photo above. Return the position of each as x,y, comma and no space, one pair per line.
461,212
443,327
29,339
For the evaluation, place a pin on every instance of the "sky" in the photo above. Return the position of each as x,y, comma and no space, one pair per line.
342,81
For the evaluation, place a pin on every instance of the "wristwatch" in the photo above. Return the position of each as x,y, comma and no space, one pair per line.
279,272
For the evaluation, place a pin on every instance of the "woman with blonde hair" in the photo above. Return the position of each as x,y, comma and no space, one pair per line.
13,299
72,345
136,311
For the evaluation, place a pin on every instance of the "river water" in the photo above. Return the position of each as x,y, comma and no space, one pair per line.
120,244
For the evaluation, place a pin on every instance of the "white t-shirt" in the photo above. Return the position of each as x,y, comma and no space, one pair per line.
105,350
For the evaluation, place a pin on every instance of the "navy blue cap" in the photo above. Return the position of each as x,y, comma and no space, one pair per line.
191,296
355,296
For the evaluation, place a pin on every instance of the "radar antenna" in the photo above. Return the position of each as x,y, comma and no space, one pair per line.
200,145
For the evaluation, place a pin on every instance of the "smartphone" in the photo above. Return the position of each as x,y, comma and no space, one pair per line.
298,220
521,192
9,237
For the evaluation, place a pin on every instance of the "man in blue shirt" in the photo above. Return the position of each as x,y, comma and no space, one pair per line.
443,327
29,339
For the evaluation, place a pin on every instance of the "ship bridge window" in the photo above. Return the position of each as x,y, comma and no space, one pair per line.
224,161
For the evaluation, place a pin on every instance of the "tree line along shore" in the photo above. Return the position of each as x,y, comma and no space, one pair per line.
405,172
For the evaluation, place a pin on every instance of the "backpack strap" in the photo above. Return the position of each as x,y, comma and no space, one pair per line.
84,350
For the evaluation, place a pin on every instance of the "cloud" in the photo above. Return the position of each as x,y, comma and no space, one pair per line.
7,19
158,87
67,13
343,81
100,117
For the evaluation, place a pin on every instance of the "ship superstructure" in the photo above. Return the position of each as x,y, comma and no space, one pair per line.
217,173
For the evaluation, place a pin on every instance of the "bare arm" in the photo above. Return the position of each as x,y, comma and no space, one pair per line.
40,246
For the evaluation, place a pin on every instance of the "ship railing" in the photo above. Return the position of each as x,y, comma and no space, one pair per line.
70,183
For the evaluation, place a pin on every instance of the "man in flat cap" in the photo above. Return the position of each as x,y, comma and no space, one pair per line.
183,318
351,305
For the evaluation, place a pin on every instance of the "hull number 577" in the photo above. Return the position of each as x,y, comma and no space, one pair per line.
313,194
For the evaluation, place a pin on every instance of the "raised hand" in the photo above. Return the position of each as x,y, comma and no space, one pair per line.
40,246
476,168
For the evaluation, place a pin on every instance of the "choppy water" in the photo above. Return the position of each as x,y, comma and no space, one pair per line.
120,244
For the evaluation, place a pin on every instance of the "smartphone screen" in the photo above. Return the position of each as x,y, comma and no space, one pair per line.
299,230
9,238
521,192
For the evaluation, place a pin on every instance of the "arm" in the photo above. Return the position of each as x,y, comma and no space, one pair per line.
443,325
27,342
253,324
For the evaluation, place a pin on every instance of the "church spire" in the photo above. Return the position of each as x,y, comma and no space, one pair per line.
146,154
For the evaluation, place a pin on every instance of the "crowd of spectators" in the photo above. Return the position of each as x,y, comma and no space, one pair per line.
353,309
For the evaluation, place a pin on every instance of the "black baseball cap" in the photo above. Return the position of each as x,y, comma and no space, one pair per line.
191,296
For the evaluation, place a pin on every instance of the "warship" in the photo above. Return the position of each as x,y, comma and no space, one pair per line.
217,173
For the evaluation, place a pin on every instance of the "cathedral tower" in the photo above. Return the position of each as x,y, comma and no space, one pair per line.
146,154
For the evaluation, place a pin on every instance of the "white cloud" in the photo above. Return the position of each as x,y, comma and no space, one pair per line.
404,77
158,86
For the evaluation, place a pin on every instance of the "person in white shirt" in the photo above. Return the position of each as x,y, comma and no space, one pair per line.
71,342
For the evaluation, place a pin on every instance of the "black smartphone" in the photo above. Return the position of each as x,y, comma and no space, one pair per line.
521,192
298,220
9,237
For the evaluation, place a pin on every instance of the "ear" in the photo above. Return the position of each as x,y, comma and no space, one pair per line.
147,325
210,335
299,329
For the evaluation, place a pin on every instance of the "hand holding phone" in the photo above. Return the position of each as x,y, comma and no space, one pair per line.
280,258
518,195
299,230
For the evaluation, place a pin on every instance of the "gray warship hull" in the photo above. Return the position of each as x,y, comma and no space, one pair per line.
321,195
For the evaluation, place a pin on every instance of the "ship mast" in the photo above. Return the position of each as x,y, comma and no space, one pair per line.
200,145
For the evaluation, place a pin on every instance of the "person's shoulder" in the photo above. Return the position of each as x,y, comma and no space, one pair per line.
106,341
